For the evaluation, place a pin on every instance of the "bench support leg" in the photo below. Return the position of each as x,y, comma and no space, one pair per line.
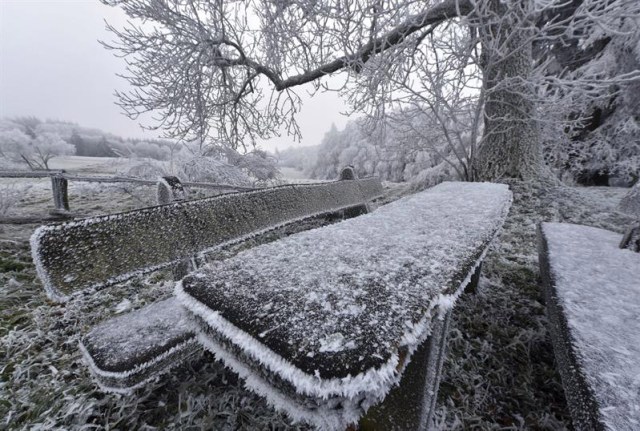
355,211
411,404
180,269
472,287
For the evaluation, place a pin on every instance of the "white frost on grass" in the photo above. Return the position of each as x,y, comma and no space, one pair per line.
321,418
630,203
124,305
598,286
399,264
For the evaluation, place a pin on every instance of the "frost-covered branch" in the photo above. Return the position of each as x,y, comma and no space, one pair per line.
225,72
199,66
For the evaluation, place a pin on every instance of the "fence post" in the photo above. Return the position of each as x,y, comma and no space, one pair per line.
348,173
631,238
170,189
59,186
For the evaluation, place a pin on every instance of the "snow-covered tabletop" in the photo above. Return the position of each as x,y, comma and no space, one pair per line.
320,322
594,300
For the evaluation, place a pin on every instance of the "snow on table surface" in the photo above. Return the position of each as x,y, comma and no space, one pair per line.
123,342
598,286
338,302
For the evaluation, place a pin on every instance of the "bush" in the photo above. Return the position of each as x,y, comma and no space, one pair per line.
10,195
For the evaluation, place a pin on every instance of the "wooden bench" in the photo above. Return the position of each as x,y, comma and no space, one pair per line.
326,324
592,290
93,253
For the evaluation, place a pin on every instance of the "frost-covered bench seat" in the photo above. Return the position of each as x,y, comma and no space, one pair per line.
89,254
323,323
592,290
125,351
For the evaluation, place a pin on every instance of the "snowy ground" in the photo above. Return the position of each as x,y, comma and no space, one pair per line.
499,373
32,197
292,174
102,165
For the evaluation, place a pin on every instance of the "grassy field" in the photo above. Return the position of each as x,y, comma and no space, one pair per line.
28,196
499,373
94,165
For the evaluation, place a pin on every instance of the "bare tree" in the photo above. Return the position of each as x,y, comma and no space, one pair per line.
19,146
442,111
205,65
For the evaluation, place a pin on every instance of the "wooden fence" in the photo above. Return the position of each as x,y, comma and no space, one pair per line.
60,181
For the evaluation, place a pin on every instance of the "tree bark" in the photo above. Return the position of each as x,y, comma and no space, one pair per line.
510,146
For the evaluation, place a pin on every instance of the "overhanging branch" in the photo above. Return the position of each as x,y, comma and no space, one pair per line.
446,10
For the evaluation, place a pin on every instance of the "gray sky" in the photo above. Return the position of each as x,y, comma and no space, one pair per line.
51,66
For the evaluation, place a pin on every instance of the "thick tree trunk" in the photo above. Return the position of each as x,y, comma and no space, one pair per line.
511,146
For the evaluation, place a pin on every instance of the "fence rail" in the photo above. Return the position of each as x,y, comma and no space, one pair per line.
60,180
112,179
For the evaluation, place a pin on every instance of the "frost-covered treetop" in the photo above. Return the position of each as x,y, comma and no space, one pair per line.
598,287
329,310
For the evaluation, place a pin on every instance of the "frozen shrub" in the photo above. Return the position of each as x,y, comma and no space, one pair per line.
630,203
430,177
10,195
146,169
258,164
190,169
210,170
169,189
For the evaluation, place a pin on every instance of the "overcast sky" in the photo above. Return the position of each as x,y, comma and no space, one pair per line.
52,66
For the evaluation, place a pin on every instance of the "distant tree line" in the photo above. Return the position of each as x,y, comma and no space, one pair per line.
397,152
299,158
413,146
35,142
